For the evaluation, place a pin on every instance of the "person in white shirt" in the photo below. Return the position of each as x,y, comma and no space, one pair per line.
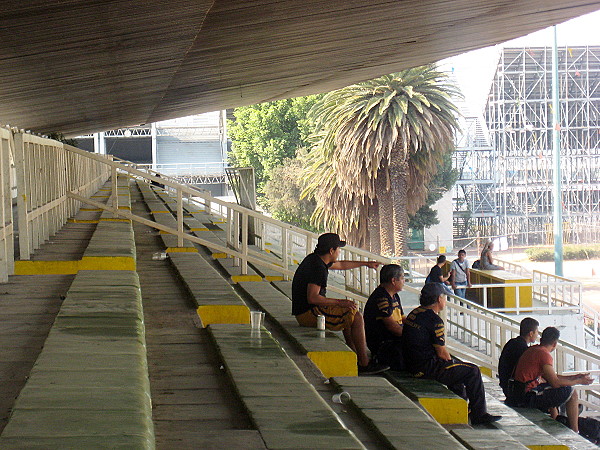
460,274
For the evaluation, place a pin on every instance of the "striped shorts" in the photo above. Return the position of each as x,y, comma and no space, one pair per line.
336,317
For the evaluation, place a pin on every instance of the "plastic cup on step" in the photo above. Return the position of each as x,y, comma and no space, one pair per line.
343,398
256,319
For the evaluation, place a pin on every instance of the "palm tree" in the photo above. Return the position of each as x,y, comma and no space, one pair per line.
377,145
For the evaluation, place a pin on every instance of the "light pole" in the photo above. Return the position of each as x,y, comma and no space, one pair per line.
557,194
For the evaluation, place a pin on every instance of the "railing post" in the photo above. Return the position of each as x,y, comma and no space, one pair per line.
228,229
22,193
180,217
284,249
115,190
485,296
236,236
245,243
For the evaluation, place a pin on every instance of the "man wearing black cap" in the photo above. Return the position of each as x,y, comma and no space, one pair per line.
426,355
309,298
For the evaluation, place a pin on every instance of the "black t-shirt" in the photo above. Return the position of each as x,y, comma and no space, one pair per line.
379,306
312,270
509,358
434,274
423,329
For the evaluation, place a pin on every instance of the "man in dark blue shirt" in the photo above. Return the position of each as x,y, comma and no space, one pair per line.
383,318
426,355
309,298
512,351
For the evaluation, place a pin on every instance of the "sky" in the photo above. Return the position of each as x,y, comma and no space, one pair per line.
475,70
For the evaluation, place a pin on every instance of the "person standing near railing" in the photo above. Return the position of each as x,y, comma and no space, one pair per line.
437,276
460,274
309,299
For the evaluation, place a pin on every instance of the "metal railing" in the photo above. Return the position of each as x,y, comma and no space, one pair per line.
179,169
591,319
477,333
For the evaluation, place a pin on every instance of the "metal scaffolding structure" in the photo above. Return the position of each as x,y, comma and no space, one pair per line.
506,185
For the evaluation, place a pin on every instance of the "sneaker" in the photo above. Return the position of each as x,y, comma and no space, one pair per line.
486,418
372,368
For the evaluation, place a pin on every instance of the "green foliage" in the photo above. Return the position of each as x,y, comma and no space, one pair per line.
282,195
363,130
570,252
264,135
61,138
439,184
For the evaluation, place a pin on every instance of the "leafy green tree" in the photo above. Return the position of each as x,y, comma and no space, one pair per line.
61,137
438,186
378,144
264,135
283,195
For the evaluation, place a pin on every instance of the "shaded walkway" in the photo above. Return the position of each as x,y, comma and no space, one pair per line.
193,404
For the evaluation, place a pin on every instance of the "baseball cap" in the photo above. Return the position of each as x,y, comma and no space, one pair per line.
430,293
329,240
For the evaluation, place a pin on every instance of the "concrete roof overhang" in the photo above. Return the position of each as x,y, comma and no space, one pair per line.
79,66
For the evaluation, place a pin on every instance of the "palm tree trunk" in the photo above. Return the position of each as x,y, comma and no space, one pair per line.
399,184
386,222
373,227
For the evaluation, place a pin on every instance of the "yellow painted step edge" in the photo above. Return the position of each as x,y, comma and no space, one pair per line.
72,267
274,278
114,219
335,364
231,314
82,221
241,278
181,250
446,410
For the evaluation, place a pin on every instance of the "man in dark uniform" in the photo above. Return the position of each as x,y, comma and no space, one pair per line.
426,355
309,298
512,351
383,318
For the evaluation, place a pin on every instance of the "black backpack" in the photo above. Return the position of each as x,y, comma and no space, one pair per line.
476,264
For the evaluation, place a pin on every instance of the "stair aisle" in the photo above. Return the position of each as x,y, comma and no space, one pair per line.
193,405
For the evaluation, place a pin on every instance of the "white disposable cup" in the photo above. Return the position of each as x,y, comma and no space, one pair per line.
341,398
256,319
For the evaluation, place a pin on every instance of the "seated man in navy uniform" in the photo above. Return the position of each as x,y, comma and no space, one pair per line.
426,355
383,318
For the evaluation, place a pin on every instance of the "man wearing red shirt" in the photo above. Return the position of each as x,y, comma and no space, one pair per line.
557,390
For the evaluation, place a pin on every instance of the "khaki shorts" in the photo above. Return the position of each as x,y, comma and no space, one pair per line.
336,317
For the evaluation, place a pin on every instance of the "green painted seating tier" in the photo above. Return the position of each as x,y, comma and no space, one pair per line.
114,239
517,425
215,298
89,387
556,429
444,405
282,404
324,348
396,418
